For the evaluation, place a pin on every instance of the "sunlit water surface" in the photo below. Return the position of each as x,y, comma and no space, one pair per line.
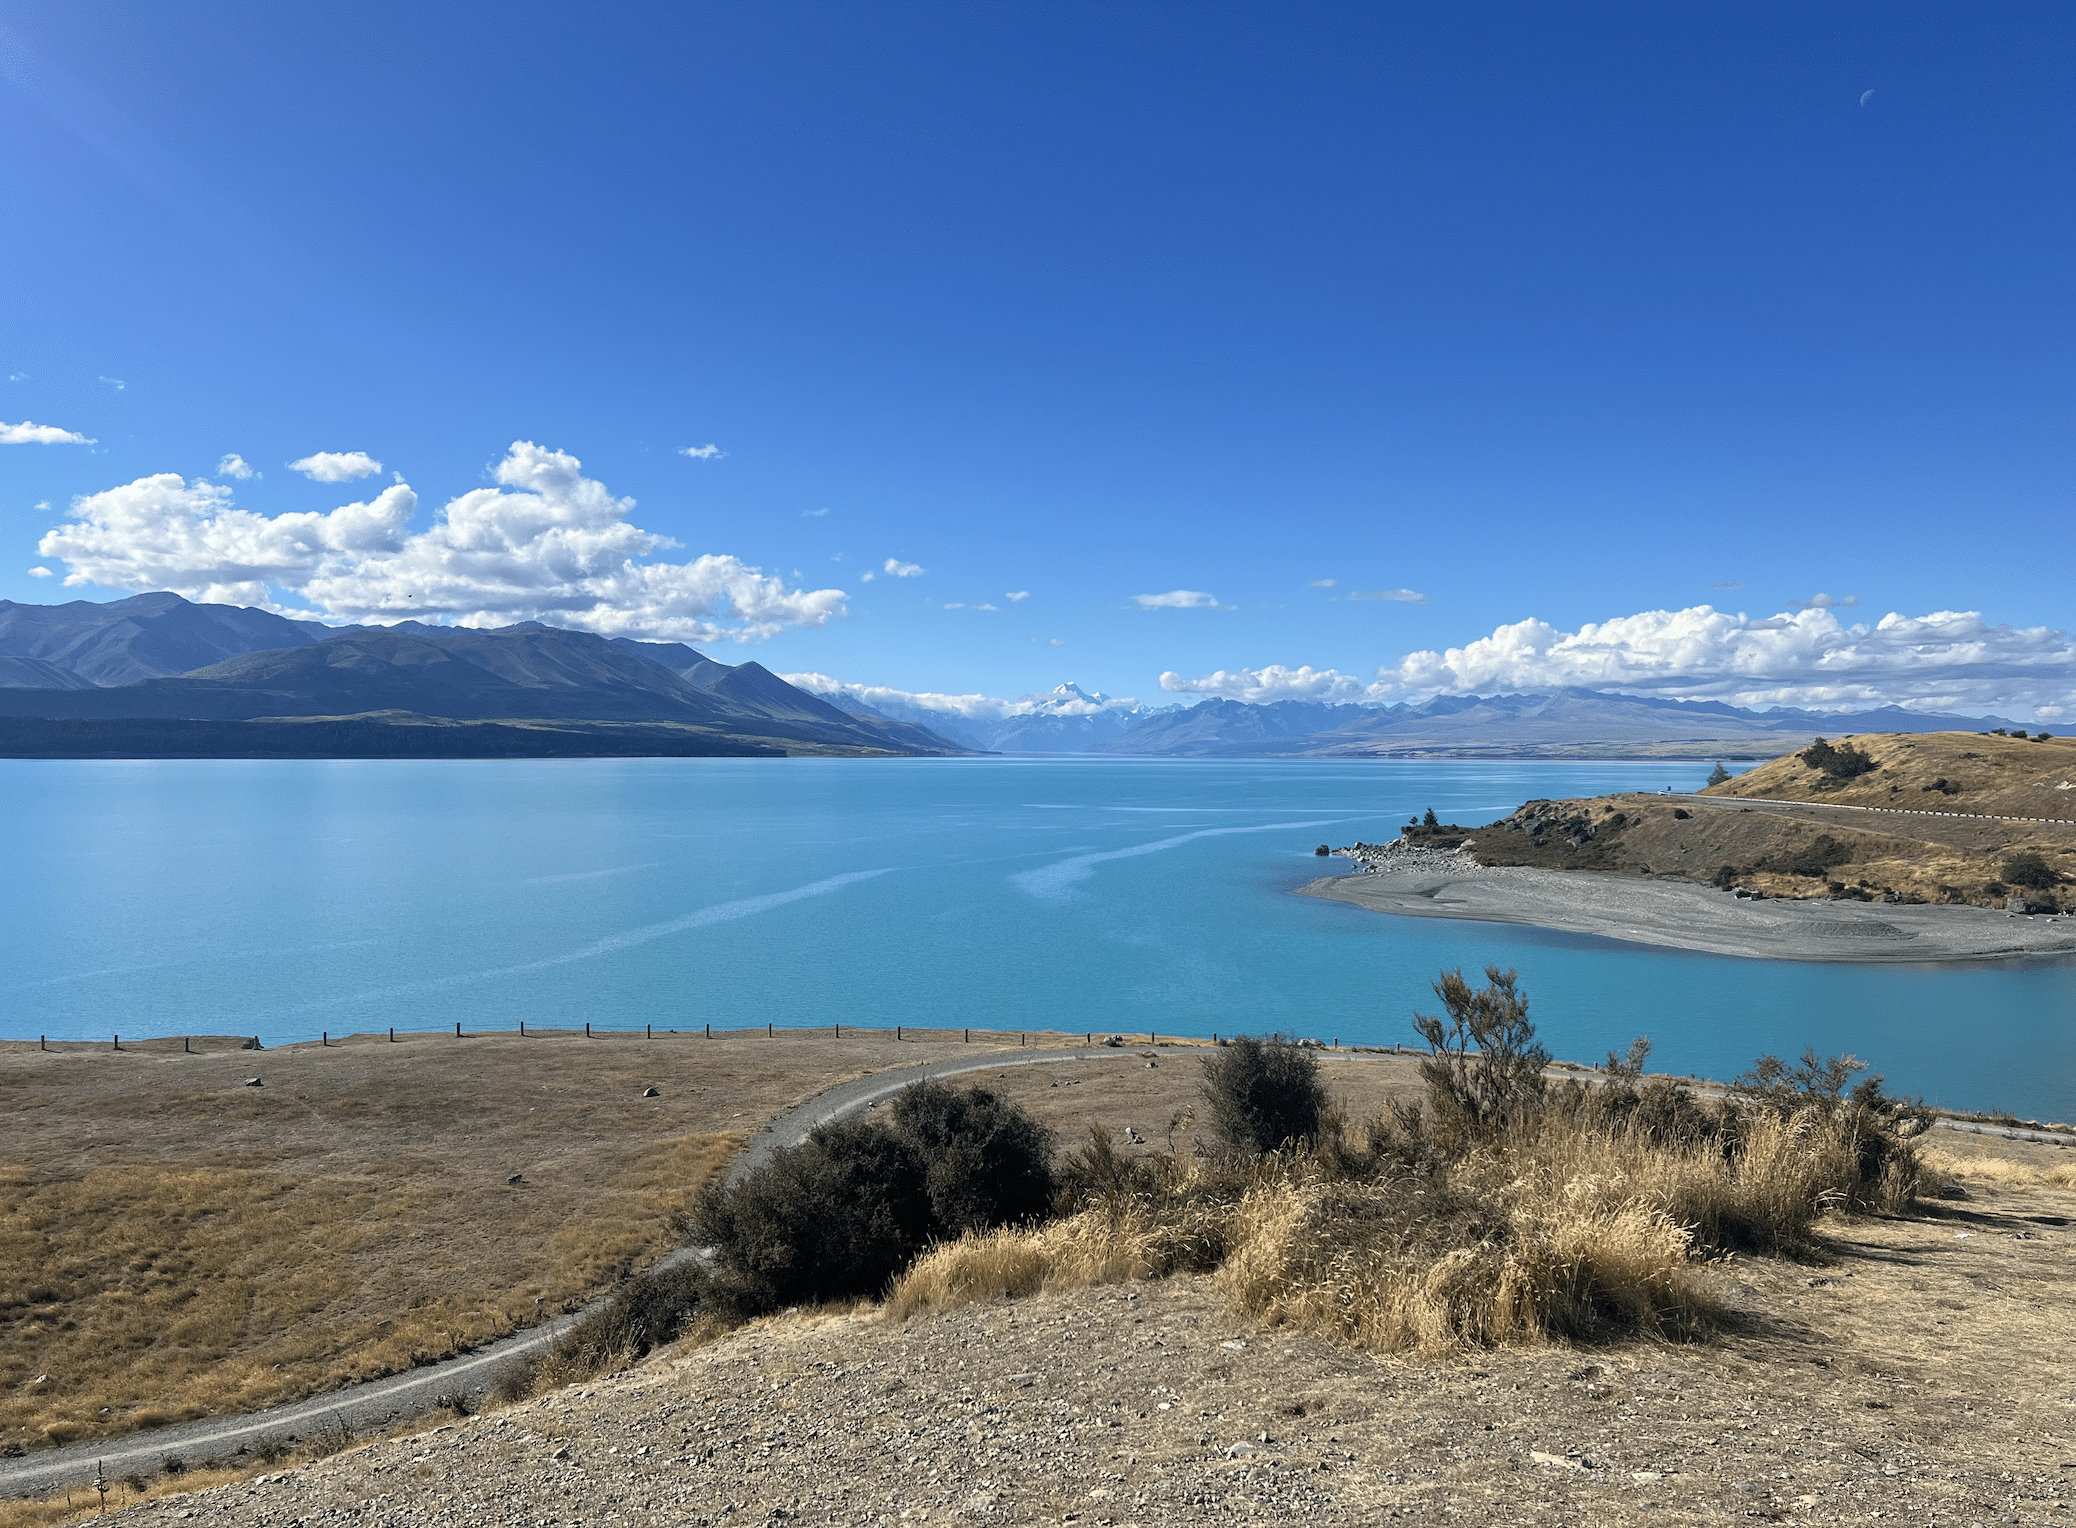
285,898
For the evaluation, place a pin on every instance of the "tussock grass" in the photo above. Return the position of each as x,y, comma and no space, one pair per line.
1565,1227
2001,1170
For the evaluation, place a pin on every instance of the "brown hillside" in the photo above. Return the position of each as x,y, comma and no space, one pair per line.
1942,817
1931,771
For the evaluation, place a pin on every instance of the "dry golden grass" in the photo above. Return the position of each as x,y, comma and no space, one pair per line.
163,1294
1983,1168
82,1504
1571,1228
174,1244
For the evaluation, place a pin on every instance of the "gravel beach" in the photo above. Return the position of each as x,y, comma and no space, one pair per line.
1694,917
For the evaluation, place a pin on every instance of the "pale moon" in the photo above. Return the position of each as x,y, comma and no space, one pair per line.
1866,96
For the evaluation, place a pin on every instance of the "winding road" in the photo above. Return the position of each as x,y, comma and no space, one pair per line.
380,1402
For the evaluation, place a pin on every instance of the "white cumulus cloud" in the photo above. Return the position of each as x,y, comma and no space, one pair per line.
235,466
40,573
1275,682
1178,599
893,567
547,544
30,434
1017,594
706,453
1947,660
337,466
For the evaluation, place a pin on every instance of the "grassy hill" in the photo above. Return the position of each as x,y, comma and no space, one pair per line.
1930,817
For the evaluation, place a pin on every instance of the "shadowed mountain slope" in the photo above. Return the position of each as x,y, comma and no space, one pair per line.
524,672
146,636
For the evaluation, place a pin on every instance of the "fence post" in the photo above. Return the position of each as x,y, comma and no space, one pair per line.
767,1030
185,1049
324,1037
457,1029
648,1031
522,1029
118,1045
709,1031
969,1037
587,1029
392,1034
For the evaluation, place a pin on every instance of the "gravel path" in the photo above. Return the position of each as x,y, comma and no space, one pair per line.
380,1402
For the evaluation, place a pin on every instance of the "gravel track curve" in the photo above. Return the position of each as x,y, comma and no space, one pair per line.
378,1403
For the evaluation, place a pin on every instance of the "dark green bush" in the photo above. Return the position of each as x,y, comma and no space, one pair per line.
985,1161
2028,869
1838,762
835,1217
839,1215
1263,1093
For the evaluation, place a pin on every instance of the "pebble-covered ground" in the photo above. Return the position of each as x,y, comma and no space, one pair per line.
1915,1375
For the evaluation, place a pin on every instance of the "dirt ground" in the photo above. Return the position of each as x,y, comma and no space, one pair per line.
175,1243
1915,1372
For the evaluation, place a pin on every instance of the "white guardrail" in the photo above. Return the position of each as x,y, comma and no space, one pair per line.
1899,811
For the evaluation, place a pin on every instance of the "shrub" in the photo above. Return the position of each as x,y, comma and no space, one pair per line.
1814,858
834,1217
839,1215
1718,776
1484,1069
1872,1131
2029,870
1263,1094
1724,878
1837,762
987,1162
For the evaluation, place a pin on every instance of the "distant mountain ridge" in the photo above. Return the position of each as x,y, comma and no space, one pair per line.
159,656
1566,723
86,662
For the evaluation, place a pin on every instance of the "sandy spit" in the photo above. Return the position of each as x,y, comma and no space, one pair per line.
1691,917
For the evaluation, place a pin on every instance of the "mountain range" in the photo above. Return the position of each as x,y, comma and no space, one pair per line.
159,658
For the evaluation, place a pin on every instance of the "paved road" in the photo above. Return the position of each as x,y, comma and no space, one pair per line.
379,1402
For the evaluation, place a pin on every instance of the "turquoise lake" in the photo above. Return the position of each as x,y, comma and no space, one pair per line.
285,898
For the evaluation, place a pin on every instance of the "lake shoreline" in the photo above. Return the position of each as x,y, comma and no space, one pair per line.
1685,915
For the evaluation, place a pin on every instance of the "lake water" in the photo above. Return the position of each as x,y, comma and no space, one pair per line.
285,898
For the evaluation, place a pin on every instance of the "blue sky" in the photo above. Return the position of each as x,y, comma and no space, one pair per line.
1553,314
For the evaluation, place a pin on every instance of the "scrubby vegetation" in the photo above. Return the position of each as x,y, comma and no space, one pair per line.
1504,1209
835,1218
1263,1094
1838,762
1500,1208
